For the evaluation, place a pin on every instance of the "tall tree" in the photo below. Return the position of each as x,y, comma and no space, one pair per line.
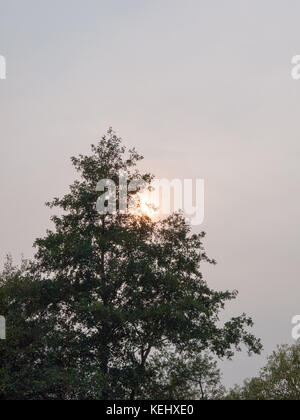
114,306
131,287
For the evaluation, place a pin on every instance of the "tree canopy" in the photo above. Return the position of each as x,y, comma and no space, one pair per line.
111,300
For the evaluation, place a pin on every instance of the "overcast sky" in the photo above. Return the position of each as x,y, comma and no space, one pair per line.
203,89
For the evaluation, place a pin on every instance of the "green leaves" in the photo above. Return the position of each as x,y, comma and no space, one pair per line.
278,380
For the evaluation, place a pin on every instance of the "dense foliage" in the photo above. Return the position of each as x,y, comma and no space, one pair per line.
114,306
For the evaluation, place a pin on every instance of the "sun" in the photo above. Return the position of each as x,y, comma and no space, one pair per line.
146,206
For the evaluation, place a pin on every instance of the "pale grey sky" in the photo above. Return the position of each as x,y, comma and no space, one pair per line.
202,89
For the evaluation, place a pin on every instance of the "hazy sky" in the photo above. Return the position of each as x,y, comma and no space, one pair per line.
203,89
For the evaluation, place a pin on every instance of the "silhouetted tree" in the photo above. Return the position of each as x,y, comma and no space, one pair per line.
124,296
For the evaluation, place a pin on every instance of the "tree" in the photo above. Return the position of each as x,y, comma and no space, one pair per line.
37,361
19,354
131,286
123,295
186,376
278,380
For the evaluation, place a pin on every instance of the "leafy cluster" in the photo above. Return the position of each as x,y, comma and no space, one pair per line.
278,380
